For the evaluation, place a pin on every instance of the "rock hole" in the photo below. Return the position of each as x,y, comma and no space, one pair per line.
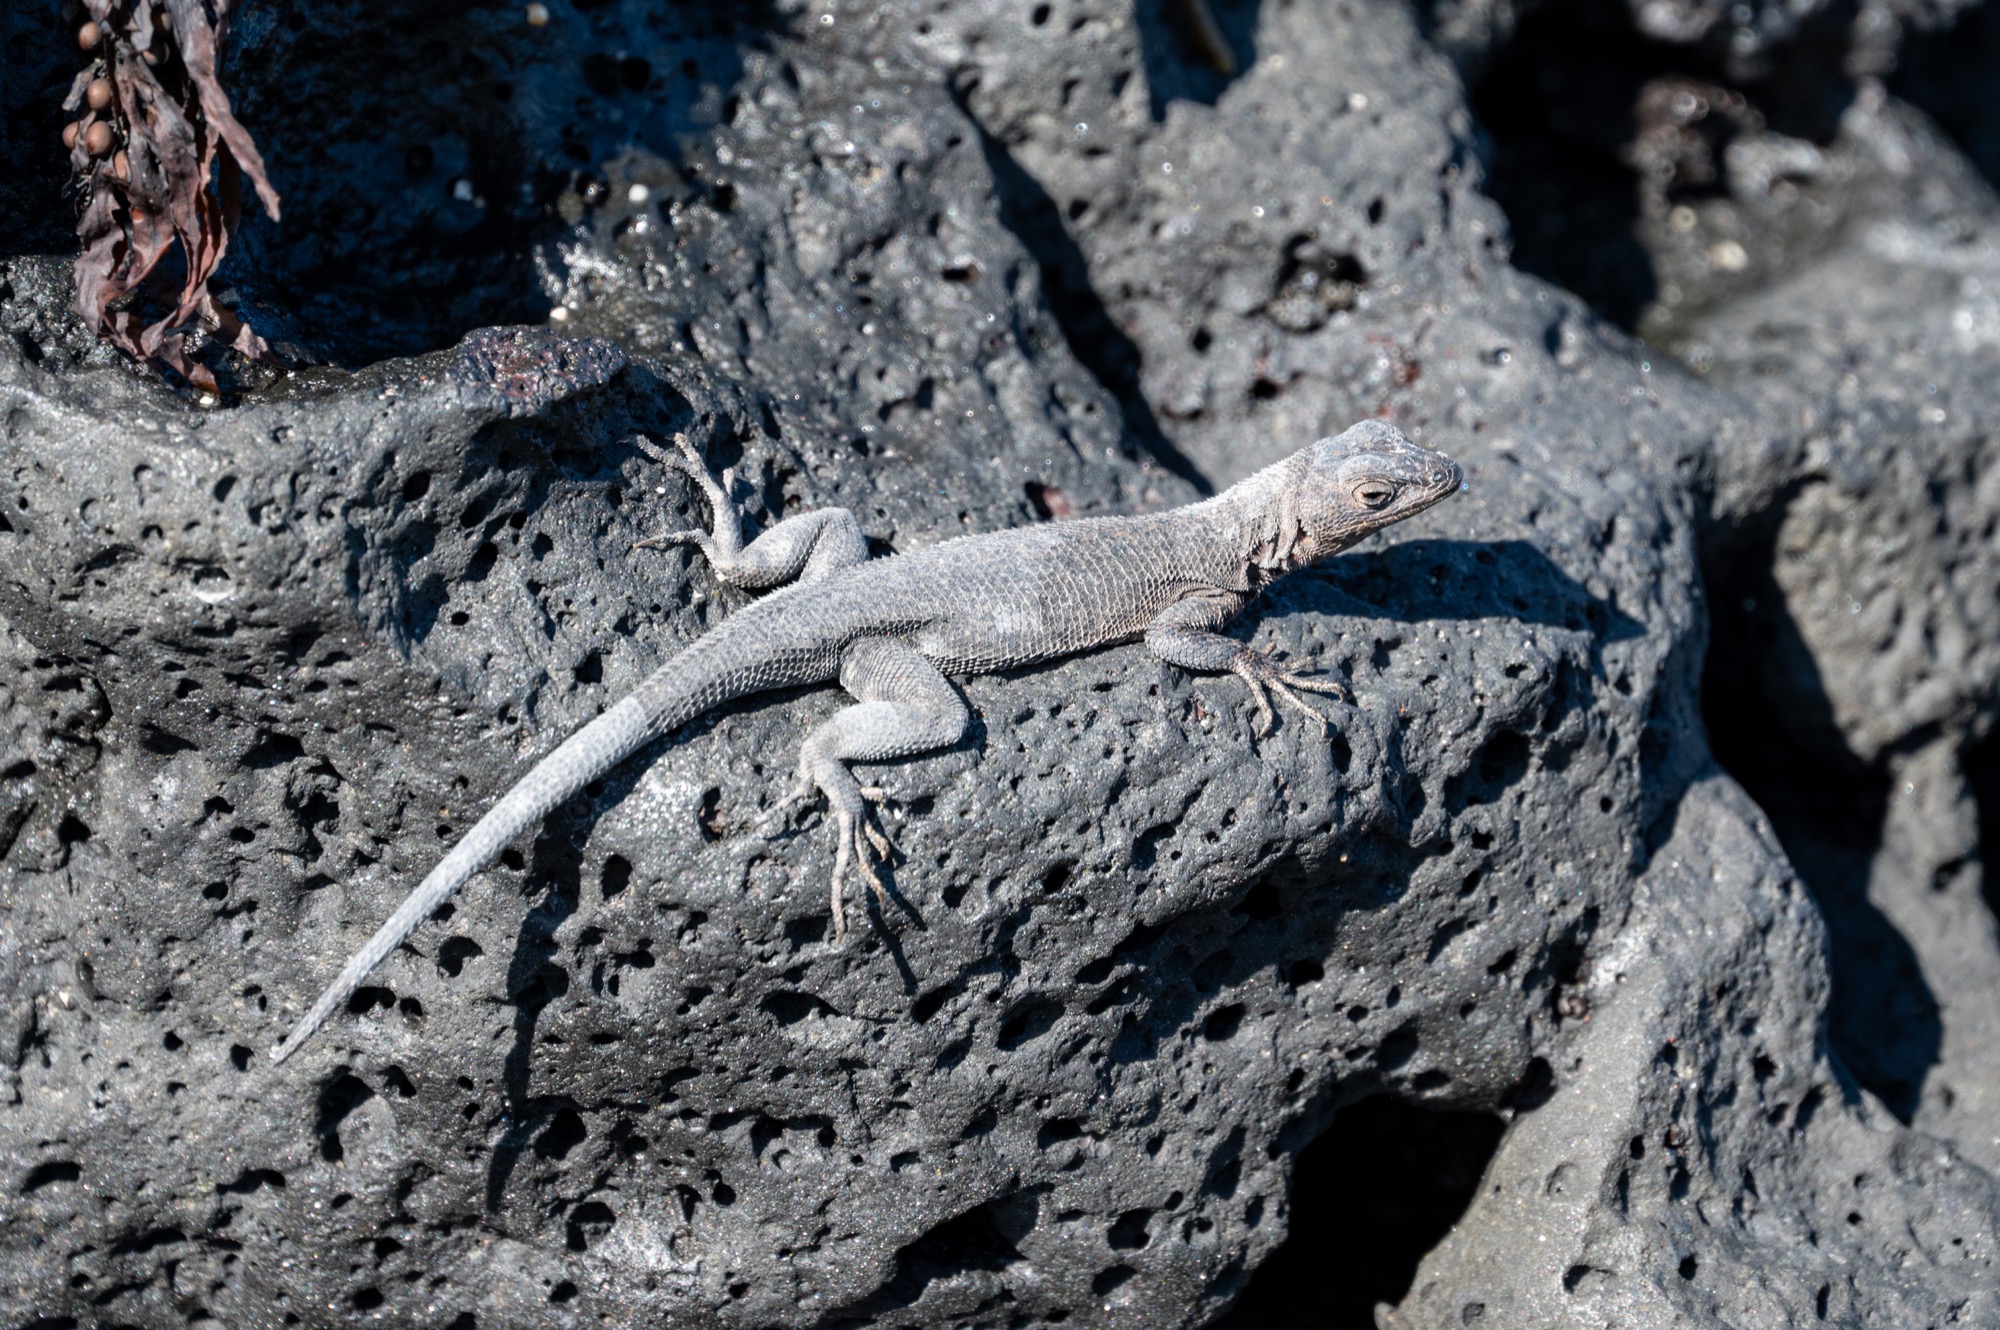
790,1006
1097,971
47,1174
1223,1023
454,952
368,997
564,1133
928,1004
340,1096
1536,1087
273,749
155,741
1028,1022
1056,1130
588,1223
1261,903
1129,1232
253,1180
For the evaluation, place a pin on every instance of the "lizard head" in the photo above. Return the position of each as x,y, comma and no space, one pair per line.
1361,480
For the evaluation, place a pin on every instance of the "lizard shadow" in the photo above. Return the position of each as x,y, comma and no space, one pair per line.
534,980
1456,580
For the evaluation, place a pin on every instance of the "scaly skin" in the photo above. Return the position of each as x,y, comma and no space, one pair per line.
891,630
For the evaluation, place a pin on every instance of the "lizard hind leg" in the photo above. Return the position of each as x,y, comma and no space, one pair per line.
905,706
802,548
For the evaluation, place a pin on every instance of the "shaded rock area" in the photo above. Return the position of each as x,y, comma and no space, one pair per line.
1625,958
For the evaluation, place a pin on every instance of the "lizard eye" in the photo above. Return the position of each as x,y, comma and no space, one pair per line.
1374,493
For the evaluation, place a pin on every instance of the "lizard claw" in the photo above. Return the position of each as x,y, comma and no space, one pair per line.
851,851
870,823
684,459
1265,675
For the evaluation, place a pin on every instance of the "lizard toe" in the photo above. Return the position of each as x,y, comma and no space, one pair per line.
1292,699
670,540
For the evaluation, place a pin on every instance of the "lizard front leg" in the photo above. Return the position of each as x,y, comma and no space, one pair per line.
804,548
905,707
1184,634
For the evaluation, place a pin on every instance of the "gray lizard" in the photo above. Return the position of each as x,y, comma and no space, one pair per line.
891,631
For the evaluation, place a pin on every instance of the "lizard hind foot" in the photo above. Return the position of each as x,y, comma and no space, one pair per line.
855,835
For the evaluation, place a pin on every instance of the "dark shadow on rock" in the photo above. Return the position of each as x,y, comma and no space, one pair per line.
979,1241
422,150
1370,1197
38,58
1555,123
1097,342
1982,772
1457,580
1581,146
535,978
1194,49
1771,726
1950,72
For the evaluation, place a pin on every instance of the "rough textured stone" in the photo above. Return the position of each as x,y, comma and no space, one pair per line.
928,262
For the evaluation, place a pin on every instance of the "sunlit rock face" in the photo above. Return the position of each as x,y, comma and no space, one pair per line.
1600,1034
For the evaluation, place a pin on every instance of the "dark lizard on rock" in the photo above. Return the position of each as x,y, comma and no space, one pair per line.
891,630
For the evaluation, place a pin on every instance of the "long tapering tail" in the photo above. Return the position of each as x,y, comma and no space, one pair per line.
658,705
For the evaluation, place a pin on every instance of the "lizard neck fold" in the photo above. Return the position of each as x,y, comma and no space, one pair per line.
1266,529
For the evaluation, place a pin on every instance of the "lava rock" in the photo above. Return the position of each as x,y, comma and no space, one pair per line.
266,661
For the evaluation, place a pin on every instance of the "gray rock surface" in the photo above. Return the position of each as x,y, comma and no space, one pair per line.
928,262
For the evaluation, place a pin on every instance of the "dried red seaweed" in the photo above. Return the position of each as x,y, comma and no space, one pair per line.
147,188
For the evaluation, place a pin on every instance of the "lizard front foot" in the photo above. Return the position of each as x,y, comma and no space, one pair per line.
690,464
1266,675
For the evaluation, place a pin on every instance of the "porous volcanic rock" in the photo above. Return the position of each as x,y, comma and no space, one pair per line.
957,268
